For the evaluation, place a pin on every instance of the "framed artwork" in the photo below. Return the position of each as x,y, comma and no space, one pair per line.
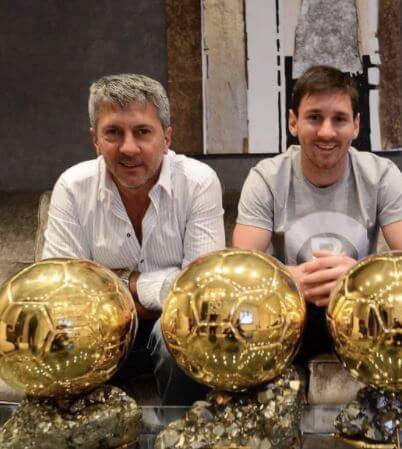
247,55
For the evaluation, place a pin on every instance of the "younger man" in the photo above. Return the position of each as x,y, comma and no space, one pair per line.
319,206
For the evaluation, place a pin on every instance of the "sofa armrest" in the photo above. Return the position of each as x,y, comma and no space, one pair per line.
43,210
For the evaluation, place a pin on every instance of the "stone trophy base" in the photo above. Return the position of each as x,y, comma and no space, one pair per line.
361,444
265,418
372,420
104,418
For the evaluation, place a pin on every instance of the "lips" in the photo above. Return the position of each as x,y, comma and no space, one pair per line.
131,164
326,146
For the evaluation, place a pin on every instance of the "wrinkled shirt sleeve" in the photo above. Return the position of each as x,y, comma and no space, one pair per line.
64,236
204,233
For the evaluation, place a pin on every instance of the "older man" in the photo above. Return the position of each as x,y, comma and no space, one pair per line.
138,208
320,205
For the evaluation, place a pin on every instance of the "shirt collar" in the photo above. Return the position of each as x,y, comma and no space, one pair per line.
106,185
165,178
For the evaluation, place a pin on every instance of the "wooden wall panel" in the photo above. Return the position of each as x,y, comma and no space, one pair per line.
183,20
389,38
225,85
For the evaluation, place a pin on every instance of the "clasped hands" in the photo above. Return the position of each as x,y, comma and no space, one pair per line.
318,277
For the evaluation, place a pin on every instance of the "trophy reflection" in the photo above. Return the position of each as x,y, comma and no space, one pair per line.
364,317
233,321
65,327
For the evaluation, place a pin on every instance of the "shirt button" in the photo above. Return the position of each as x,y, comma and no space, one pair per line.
128,235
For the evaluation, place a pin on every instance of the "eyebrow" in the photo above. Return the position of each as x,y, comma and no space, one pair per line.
117,124
319,111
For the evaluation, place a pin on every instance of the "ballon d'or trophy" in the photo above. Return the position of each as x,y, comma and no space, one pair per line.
365,320
233,320
65,327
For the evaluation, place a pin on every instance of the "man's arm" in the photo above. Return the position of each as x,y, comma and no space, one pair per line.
251,237
64,236
393,235
204,233
316,279
389,206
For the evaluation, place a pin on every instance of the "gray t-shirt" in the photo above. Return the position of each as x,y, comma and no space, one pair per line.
343,217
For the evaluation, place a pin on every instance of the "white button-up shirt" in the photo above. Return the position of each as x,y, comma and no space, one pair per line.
184,220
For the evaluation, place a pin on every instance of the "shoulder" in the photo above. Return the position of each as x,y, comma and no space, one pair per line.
81,174
276,165
190,171
371,167
273,175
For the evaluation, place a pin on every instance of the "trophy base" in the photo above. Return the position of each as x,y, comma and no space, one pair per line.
105,417
371,420
294,445
361,444
266,417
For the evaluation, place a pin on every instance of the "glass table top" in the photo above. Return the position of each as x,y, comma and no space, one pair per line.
316,425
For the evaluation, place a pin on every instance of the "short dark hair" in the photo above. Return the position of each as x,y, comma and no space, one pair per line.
322,78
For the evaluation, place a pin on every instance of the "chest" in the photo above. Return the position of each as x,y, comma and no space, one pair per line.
136,214
151,235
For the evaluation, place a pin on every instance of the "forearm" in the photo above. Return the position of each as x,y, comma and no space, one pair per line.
251,237
149,289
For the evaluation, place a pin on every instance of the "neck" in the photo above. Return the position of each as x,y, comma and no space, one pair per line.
134,196
322,176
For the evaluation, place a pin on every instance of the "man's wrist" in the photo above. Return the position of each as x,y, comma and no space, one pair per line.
125,275
129,279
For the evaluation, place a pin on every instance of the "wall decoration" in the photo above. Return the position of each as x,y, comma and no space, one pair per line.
254,50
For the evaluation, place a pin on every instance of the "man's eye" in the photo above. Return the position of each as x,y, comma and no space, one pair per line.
112,132
340,119
143,131
314,117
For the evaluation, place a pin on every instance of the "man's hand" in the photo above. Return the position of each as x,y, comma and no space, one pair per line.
142,312
317,278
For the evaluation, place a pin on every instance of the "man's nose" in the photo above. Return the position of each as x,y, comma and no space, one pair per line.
326,130
129,145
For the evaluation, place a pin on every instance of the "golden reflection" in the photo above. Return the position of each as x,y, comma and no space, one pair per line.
365,320
233,319
65,326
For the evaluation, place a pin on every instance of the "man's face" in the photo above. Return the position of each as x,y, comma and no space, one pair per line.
132,142
325,128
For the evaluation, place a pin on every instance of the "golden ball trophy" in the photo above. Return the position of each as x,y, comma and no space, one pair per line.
233,321
65,327
365,320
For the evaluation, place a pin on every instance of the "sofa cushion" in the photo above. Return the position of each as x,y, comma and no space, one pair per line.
230,200
18,224
329,382
9,269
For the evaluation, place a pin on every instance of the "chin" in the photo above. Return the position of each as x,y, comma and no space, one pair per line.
131,184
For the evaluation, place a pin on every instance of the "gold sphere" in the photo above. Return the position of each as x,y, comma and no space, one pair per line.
65,326
365,320
233,319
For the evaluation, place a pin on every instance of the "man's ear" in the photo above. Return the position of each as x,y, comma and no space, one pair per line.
94,138
356,123
168,138
292,123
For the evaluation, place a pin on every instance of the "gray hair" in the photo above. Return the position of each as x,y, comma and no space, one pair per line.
123,89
